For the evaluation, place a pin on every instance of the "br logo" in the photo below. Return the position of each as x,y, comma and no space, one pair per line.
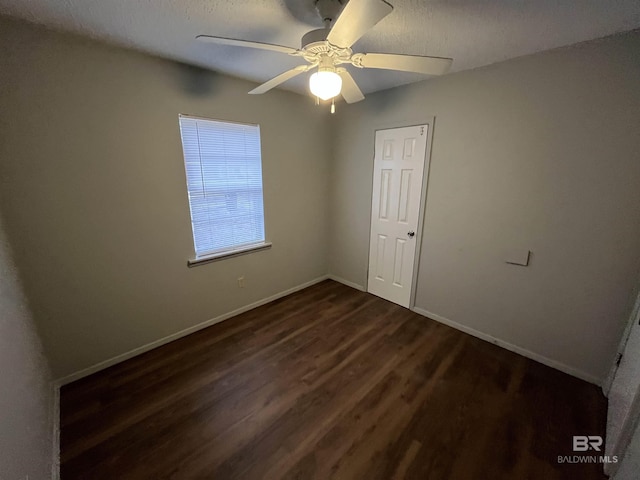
582,443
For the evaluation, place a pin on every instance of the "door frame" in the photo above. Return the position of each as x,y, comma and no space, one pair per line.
633,418
426,120
634,318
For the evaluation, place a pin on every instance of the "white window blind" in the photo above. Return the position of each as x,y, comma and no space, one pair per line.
224,182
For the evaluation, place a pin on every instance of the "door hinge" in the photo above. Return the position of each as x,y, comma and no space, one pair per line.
618,359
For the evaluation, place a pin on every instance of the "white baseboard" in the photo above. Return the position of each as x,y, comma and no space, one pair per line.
511,347
55,464
170,338
347,283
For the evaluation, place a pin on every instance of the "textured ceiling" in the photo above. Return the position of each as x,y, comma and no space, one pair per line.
473,32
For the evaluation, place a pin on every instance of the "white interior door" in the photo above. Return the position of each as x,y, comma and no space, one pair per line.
399,164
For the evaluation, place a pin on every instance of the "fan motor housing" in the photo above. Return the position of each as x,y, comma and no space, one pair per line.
314,36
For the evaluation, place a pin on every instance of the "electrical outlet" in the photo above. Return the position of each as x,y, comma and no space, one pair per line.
241,282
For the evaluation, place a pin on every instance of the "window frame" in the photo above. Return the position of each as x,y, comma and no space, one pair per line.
238,249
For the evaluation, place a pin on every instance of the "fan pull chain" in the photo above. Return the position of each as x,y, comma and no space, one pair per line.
333,105
317,101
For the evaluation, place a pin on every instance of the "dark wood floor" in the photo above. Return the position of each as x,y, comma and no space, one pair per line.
328,383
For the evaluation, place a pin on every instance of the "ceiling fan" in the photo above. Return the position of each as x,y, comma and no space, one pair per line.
330,47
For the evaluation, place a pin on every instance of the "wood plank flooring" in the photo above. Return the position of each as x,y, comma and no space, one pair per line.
328,383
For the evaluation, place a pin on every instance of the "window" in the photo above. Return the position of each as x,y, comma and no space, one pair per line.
224,182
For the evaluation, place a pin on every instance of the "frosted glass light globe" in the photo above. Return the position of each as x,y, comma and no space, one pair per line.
325,84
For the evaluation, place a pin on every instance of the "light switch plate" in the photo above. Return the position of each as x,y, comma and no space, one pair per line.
518,256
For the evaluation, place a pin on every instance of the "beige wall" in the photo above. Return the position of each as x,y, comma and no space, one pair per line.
26,394
539,153
92,185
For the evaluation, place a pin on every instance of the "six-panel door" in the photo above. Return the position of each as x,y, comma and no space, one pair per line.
397,187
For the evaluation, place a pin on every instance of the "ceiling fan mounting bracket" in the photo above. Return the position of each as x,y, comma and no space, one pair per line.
329,9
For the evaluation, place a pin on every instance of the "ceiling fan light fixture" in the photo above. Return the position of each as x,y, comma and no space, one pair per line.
325,83
345,22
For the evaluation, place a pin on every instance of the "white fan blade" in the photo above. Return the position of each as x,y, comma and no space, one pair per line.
283,77
246,43
407,63
350,90
357,17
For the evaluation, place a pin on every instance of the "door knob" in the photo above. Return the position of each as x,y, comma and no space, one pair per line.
411,234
